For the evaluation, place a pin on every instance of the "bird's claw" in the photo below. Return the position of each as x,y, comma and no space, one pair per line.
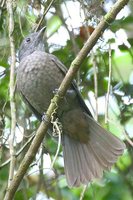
55,91
45,118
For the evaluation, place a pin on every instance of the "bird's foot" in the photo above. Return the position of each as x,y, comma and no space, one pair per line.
55,91
70,92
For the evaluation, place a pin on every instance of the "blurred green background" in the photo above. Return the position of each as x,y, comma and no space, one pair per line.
69,24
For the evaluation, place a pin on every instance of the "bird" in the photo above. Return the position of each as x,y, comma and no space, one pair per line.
88,149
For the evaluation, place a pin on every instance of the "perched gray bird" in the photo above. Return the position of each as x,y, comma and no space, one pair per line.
88,149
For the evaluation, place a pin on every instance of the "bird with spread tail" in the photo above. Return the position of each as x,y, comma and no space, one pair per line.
88,149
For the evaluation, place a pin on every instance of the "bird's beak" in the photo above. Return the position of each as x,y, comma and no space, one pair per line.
41,32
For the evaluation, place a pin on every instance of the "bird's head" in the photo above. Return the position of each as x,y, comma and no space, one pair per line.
31,43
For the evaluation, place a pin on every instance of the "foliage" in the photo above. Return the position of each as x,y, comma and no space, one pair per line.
64,40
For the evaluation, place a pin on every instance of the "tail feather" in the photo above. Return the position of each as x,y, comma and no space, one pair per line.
92,162
71,170
86,161
105,137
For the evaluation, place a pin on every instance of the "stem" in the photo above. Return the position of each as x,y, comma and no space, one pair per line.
12,91
109,86
45,12
95,85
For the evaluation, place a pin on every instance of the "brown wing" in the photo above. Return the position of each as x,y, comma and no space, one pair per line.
74,85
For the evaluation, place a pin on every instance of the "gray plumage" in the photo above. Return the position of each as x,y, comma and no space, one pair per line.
88,149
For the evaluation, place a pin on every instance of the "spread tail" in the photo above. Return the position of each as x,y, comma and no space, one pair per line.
86,161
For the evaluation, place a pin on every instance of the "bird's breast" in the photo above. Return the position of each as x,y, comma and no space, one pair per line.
37,78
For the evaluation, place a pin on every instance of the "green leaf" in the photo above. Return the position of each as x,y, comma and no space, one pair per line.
53,25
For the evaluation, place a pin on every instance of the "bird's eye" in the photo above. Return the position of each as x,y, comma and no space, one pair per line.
27,40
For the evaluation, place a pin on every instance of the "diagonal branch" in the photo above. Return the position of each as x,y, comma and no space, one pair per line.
45,12
30,155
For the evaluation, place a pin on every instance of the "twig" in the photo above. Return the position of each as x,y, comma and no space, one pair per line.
95,85
2,3
127,138
12,91
43,177
20,24
123,131
30,155
83,192
18,153
45,12
71,35
109,86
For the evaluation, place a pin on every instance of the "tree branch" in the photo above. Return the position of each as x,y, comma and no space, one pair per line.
30,155
45,12
12,91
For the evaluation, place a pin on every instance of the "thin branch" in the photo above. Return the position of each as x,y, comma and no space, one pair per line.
71,33
75,47
20,24
12,91
128,138
30,155
3,3
18,153
83,192
74,44
95,85
109,86
123,131
42,178
45,12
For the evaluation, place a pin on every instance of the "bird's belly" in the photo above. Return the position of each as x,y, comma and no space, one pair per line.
39,88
